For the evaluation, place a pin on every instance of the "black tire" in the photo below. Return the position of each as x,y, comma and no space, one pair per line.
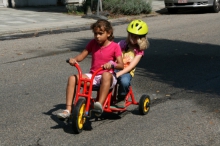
172,10
144,104
78,119
215,8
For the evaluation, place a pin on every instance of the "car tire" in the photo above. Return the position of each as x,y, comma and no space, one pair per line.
215,8
172,10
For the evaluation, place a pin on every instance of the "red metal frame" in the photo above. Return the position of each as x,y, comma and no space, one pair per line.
111,97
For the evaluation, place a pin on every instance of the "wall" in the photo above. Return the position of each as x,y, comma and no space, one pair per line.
5,3
23,3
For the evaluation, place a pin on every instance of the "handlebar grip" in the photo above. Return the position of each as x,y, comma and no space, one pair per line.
67,61
112,67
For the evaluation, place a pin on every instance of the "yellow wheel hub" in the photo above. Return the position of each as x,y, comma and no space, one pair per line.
146,102
81,119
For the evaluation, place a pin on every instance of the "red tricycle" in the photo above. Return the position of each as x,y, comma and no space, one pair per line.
83,103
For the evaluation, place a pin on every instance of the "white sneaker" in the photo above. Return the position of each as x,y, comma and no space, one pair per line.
65,114
98,107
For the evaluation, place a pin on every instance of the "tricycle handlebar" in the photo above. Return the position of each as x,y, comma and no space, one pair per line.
80,71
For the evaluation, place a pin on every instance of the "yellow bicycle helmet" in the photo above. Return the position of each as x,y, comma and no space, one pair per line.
138,27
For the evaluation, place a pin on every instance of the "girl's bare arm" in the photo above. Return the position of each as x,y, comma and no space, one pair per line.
119,63
131,66
79,57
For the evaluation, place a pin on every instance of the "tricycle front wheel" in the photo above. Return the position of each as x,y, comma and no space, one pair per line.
78,118
144,104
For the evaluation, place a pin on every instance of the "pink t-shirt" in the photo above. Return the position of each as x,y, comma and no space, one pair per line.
102,55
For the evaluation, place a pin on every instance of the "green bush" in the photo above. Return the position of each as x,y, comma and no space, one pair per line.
71,8
127,7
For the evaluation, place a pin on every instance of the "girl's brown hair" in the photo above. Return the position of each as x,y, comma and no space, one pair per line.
103,25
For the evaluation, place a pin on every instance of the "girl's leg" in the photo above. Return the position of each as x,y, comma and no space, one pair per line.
123,89
70,91
124,83
106,82
70,94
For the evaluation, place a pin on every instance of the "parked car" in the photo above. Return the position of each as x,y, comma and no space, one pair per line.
173,5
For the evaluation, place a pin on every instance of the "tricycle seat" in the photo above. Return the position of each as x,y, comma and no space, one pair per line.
95,88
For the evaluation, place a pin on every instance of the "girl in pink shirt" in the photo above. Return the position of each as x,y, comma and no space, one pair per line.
104,52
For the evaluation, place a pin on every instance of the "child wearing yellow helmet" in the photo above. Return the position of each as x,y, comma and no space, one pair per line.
133,50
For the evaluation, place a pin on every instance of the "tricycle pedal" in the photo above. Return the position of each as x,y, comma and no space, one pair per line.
88,115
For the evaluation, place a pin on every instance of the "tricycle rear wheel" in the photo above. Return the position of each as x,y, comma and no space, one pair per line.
144,104
78,118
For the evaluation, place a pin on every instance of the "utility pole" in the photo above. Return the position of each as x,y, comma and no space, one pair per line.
88,7
89,12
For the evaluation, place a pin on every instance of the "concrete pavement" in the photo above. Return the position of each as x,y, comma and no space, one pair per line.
158,5
15,23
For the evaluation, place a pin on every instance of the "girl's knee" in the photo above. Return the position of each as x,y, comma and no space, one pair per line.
125,81
106,75
72,79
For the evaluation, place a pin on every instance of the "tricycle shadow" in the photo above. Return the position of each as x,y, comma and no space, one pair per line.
106,118
60,124
66,125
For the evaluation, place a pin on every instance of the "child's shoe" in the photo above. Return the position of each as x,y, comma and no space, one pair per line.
121,101
65,114
98,107
120,104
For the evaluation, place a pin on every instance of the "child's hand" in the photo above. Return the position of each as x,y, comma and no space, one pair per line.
72,61
107,66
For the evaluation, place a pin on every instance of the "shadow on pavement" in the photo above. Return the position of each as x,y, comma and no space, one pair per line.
192,67
184,11
60,124
183,64
66,125
52,9
180,64
162,11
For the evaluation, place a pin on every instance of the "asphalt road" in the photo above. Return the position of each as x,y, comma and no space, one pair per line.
180,71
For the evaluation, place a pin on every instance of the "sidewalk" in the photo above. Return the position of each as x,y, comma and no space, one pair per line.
26,22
